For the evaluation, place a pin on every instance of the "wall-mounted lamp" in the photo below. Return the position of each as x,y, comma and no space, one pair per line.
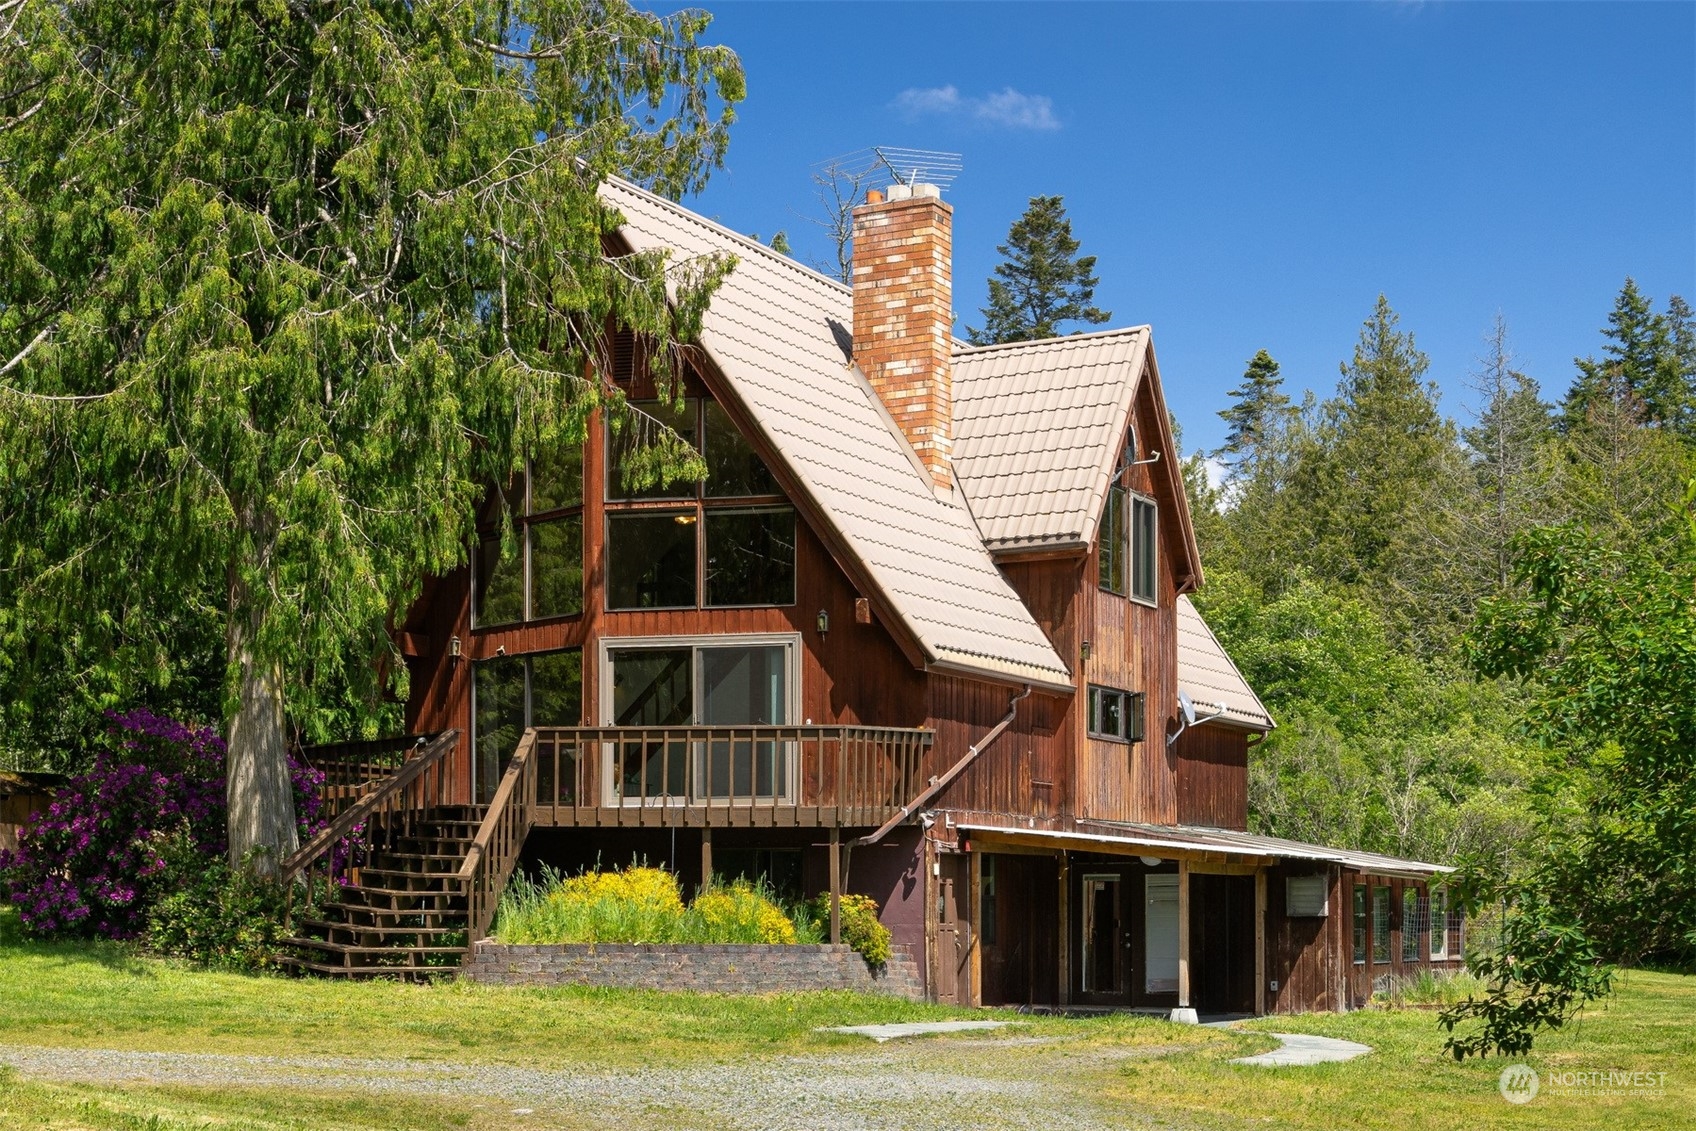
500,649
823,622
453,649
1085,650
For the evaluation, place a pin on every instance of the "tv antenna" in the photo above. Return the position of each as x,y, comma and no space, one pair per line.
907,166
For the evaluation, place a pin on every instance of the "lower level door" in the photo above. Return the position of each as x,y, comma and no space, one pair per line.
1160,918
1103,957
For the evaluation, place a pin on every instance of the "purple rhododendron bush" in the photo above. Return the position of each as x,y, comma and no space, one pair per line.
135,848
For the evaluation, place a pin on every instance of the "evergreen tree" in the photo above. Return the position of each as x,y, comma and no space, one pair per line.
1261,411
1365,485
284,288
1640,362
1042,282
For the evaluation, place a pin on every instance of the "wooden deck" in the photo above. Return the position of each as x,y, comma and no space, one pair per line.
725,777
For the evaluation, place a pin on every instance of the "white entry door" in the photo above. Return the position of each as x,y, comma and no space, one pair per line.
1161,894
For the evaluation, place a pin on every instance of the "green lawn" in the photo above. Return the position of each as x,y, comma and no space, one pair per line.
105,997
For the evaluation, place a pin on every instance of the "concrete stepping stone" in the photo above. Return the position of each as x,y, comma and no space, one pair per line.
881,1033
1305,1048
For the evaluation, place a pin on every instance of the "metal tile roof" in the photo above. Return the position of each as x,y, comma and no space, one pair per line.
1037,427
1209,677
775,331
1130,837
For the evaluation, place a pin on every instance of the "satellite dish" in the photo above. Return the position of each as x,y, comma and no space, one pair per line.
1187,708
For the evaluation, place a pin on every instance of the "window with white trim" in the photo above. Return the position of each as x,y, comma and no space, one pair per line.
1143,563
1439,924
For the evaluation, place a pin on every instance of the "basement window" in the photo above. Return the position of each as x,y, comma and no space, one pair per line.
1115,714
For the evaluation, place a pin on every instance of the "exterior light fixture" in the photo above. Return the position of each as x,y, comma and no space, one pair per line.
1150,861
823,622
453,649
1085,650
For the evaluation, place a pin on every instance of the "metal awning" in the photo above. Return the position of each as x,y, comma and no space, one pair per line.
1127,838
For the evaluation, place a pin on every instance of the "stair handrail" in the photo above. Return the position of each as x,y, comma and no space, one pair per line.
494,851
374,798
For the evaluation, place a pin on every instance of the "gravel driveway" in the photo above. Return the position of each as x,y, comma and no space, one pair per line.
999,1084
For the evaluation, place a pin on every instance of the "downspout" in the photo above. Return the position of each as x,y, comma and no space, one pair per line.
938,784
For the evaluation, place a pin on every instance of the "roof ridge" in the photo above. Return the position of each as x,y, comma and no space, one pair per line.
1063,339
771,254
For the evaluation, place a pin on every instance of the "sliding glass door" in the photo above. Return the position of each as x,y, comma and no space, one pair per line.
704,683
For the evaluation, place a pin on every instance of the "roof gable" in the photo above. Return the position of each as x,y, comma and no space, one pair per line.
775,333
1038,430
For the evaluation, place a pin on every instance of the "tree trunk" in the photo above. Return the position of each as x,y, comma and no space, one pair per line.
257,788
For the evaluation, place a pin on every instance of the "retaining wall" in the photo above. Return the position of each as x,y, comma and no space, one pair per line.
728,968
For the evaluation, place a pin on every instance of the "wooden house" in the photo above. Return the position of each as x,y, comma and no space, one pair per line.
922,633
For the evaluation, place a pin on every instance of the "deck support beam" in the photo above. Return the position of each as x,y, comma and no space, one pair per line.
1260,943
1185,1011
835,885
706,857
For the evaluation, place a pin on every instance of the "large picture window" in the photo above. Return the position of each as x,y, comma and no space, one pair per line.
725,542
529,562
705,682
511,693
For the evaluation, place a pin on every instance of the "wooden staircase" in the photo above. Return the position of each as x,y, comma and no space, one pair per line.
403,913
401,881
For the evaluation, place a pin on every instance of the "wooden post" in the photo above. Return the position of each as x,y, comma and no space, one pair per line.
1260,942
1185,1011
706,857
975,978
835,885
1063,982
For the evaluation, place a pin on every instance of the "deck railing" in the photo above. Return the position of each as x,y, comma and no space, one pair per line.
725,775
349,768
386,809
500,838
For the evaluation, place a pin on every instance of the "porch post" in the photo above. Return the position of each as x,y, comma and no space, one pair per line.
835,885
1185,1012
974,864
706,856
1259,942
1063,982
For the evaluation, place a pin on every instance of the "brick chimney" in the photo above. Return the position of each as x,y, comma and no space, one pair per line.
903,314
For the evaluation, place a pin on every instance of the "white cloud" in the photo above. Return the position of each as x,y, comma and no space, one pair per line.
1007,107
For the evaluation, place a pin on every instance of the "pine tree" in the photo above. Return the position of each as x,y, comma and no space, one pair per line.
1261,411
1381,450
1042,282
1640,362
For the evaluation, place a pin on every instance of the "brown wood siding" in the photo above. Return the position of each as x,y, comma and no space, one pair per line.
1305,956
1134,647
1213,777
1024,774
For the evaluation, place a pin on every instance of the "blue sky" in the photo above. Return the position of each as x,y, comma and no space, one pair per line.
1253,175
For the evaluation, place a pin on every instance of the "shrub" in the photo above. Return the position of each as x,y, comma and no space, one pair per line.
743,913
861,928
96,861
638,905
220,916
